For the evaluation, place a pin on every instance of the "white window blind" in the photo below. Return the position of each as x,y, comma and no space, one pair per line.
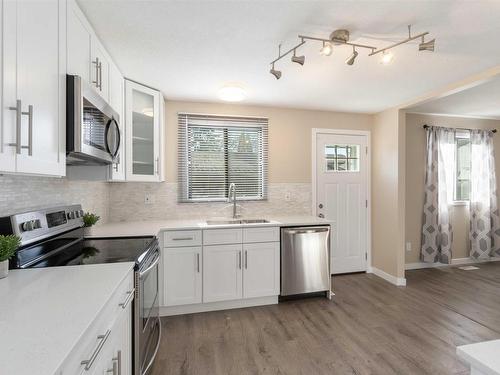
215,151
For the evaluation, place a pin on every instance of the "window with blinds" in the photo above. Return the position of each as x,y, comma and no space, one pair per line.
215,151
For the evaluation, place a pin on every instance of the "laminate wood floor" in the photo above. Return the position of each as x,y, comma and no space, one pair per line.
370,327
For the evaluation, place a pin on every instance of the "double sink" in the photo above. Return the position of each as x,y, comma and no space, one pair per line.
237,221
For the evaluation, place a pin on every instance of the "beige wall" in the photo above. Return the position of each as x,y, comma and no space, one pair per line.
415,176
387,195
289,134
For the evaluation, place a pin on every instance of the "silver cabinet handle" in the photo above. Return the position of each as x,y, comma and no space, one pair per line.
198,262
182,239
19,113
18,110
100,75
157,166
30,129
239,259
118,361
96,62
114,369
125,303
246,259
102,340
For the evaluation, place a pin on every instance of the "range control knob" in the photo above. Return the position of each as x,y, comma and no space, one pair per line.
37,224
71,215
68,215
77,214
27,226
81,213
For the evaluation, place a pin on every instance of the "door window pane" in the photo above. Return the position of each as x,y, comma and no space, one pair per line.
142,133
342,158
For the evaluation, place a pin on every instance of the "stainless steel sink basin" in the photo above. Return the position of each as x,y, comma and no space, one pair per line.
237,221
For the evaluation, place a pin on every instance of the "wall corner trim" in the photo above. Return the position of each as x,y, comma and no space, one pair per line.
398,281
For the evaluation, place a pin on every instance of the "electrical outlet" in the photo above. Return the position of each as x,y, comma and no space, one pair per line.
288,196
408,246
149,198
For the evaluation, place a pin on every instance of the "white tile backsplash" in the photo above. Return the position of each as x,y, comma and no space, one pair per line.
20,193
127,203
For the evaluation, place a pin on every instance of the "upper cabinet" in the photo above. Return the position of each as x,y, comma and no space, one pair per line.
33,87
144,131
116,100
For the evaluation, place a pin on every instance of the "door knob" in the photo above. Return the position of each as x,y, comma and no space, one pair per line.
321,216
320,205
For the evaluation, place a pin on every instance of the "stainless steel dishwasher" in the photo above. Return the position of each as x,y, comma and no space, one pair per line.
305,260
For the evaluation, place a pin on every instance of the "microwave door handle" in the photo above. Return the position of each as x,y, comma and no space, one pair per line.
106,132
119,139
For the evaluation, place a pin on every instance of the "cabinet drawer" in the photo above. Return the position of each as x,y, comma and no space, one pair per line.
182,238
222,236
97,339
261,234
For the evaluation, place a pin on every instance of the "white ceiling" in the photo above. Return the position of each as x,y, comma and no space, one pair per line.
479,101
189,49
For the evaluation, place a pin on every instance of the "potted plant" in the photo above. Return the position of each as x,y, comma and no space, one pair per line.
89,219
8,247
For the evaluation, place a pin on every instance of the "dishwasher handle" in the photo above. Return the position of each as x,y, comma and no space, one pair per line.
306,230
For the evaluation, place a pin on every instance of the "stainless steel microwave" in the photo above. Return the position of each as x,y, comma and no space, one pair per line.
92,126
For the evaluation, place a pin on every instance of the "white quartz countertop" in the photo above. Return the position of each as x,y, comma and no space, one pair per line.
484,357
45,311
153,227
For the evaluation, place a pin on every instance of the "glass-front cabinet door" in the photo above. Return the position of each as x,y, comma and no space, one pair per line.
144,121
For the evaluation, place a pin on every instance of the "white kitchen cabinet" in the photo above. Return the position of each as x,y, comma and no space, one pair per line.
182,275
34,87
108,341
99,70
78,43
222,273
261,275
143,132
116,101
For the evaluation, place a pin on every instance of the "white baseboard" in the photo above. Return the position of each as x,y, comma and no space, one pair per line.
398,281
420,265
214,306
454,262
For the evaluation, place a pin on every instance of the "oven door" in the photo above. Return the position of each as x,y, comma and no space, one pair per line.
93,132
148,328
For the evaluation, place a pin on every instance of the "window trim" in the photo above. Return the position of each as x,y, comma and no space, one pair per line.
184,118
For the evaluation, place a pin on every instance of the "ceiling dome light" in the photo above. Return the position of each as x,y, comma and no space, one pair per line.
387,58
232,93
275,72
327,49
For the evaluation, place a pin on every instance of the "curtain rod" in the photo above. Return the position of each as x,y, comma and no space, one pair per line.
428,126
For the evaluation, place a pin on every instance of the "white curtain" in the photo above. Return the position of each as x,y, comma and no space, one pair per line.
437,232
484,232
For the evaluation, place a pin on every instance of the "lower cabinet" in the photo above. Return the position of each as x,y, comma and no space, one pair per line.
261,277
182,280
222,273
217,265
106,347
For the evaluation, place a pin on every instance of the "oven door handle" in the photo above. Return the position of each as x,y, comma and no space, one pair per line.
155,262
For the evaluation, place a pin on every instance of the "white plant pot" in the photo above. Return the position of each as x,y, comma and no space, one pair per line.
4,269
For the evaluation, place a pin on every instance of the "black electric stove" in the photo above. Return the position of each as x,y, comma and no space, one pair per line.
55,237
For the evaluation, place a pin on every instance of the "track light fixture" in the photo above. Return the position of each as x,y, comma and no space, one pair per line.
387,58
350,59
426,46
275,72
327,49
341,37
298,59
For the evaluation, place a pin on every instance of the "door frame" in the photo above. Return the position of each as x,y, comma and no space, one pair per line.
367,134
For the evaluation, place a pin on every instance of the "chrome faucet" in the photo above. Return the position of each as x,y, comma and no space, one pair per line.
232,190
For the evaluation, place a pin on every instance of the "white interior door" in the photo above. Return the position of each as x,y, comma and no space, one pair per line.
341,196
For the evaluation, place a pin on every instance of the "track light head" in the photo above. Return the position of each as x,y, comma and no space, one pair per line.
427,46
327,49
350,60
298,59
387,58
275,73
